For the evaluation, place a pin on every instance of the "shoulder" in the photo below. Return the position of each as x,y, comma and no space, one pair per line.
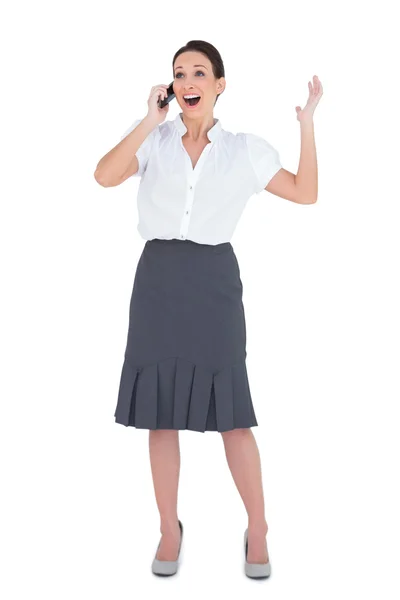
263,157
256,145
232,142
260,151
252,144
166,128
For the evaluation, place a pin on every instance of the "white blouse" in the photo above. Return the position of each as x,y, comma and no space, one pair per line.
203,204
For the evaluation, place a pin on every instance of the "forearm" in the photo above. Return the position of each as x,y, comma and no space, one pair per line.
307,174
115,163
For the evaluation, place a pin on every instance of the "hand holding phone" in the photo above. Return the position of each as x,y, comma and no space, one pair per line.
170,96
159,96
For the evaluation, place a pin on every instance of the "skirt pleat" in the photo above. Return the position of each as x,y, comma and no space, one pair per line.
185,358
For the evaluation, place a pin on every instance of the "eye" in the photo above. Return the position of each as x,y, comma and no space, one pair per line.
176,75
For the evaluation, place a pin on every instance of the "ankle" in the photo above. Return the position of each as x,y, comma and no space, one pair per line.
257,527
169,525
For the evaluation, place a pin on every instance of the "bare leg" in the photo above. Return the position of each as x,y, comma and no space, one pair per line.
165,467
244,462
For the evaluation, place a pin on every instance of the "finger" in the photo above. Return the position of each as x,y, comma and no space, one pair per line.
156,88
159,92
162,90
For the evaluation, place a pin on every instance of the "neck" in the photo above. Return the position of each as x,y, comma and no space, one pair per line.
197,128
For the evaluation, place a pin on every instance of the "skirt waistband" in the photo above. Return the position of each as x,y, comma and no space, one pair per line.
189,245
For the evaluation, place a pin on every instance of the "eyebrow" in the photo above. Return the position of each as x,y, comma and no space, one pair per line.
193,65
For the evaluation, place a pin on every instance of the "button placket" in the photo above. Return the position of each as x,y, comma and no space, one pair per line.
192,176
187,211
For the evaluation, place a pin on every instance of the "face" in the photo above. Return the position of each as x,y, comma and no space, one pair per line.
193,74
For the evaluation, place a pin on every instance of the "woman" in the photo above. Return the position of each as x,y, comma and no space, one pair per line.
184,364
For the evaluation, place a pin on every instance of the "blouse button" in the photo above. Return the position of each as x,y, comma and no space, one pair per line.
190,187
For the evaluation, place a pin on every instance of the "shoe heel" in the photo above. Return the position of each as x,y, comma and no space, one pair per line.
255,570
165,568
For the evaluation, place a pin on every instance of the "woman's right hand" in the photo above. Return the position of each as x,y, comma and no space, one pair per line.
155,113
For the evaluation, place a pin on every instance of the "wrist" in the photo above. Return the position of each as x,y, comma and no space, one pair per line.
308,122
150,121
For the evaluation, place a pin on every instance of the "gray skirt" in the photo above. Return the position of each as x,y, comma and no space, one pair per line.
185,359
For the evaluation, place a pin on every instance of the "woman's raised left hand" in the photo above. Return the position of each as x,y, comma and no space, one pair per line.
315,93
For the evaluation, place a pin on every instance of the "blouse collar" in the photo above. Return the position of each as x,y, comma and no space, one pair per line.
211,133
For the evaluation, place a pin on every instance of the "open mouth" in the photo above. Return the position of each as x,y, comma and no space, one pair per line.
192,101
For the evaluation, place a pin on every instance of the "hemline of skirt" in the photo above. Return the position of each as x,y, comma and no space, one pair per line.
175,393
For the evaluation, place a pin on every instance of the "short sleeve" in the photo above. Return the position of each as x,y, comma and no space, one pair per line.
264,159
143,152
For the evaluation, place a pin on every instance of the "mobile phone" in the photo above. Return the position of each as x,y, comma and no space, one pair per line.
170,96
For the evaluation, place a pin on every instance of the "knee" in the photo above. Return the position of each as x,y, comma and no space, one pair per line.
239,432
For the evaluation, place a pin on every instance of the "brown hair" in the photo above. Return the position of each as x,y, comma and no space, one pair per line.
208,50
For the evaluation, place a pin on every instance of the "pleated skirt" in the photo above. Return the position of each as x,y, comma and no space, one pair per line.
184,364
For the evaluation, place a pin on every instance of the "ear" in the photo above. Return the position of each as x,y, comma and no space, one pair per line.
221,85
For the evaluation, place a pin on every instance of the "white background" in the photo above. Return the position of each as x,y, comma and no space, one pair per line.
78,516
